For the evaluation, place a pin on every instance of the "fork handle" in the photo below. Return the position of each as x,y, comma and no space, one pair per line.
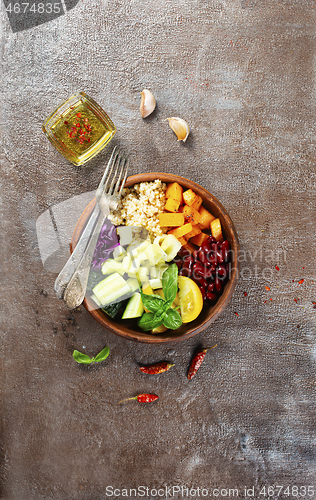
72,263
76,288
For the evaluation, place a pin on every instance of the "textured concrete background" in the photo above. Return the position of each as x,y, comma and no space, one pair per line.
242,73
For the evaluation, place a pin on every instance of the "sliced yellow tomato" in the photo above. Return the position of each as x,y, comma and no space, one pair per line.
191,300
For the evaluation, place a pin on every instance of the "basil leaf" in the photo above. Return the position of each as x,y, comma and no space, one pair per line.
172,319
152,302
102,355
170,282
81,358
148,321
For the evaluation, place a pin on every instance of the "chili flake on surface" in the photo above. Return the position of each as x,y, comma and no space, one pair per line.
267,288
277,268
300,282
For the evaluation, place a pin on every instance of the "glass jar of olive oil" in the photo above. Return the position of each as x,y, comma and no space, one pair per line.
79,128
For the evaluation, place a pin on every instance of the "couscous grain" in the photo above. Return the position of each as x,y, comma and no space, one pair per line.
141,205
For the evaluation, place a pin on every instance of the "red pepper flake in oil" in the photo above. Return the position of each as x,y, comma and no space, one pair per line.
142,398
197,361
156,368
296,300
65,122
78,115
267,288
236,313
277,268
300,282
245,294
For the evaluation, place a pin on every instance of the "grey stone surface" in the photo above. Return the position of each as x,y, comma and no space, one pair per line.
242,73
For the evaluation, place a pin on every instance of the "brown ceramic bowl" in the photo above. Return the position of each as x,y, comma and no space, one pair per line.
128,328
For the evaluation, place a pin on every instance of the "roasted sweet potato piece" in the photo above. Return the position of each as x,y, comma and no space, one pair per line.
189,197
191,214
174,191
197,203
181,231
206,218
171,219
172,205
195,231
198,239
216,229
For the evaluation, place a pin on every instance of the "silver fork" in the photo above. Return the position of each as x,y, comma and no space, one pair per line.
69,268
76,288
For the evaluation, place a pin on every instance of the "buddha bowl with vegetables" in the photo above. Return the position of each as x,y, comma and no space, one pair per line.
169,280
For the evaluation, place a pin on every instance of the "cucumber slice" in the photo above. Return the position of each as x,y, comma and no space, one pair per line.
155,283
134,308
155,253
171,246
110,266
133,284
142,274
119,253
111,289
112,310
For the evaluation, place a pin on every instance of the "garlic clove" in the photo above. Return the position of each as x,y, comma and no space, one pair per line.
180,128
147,103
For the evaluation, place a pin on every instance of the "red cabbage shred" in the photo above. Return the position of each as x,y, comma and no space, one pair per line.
107,241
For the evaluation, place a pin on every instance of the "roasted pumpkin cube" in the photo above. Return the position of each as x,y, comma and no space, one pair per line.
174,191
189,197
182,240
197,203
206,218
198,239
195,231
172,205
181,231
171,219
191,214
216,229
188,246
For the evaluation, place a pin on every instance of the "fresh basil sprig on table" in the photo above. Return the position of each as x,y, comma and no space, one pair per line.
160,311
83,358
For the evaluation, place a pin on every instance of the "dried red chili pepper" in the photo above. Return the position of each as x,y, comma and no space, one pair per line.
197,361
156,368
142,398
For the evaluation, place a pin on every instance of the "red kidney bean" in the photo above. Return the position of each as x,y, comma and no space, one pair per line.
184,252
196,255
211,239
221,270
179,263
203,258
189,260
226,250
218,285
201,281
212,258
185,271
200,270
211,296
220,256
203,292
206,246
211,288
